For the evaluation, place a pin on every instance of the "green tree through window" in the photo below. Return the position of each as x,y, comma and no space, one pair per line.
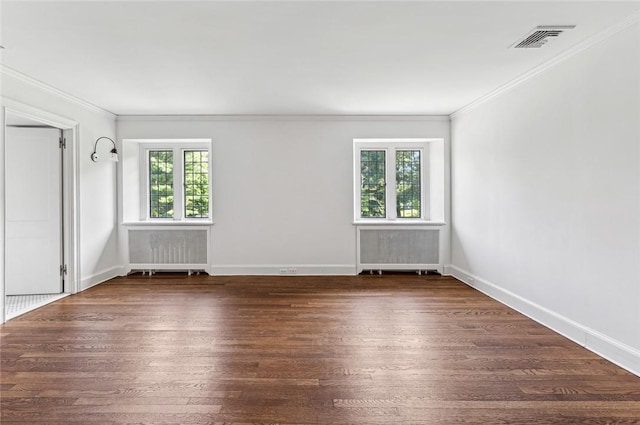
389,179
178,183
196,184
373,184
408,187
161,184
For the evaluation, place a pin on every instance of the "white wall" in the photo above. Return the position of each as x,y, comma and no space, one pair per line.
282,186
97,181
546,197
2,208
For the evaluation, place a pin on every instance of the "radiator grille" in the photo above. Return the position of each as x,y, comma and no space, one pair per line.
168,246
399,246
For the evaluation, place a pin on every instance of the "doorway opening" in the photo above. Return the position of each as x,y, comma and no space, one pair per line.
39,217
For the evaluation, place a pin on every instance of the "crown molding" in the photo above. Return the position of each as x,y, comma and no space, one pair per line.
580,47
37,114
284,117
29,81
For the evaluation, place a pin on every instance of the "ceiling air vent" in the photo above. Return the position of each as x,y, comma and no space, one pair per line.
539,36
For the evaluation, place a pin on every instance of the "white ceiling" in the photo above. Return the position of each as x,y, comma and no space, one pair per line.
183,57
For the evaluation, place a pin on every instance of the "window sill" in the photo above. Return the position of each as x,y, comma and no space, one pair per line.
169,223
398,222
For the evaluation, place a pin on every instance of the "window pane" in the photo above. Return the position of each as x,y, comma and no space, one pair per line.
373,182
408,183
161,184
196,184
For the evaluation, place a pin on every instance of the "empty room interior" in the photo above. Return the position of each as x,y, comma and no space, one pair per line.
320,212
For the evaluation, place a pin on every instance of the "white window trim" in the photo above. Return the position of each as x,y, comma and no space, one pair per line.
390,146
178,147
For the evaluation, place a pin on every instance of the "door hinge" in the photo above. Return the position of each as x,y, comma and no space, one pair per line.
63,143
63,270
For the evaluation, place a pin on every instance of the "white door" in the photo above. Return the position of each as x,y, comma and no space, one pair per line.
33,211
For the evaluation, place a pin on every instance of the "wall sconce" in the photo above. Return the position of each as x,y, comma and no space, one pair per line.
114,151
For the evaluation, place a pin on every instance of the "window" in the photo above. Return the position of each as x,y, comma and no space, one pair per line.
161,184
390,179
196,184
373,184
178,181
408,183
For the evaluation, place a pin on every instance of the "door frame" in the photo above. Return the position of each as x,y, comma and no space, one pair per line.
70,191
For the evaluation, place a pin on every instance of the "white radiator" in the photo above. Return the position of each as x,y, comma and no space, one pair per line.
165,248
409,248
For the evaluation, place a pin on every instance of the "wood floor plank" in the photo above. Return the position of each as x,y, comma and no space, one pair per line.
393,349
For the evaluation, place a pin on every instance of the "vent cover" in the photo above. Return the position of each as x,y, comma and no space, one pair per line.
540,35
405,248
167,247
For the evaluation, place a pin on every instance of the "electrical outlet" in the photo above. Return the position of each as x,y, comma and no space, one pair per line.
288,270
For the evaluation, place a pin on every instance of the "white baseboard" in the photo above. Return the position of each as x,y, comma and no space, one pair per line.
100,277
2,318
288,270
124,271
447,270
613,350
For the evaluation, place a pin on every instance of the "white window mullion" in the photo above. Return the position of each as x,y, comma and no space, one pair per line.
357,184
391,184
425,181
145,203
210,170
178,184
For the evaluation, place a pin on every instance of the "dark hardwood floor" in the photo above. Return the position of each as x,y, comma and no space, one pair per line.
398,349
